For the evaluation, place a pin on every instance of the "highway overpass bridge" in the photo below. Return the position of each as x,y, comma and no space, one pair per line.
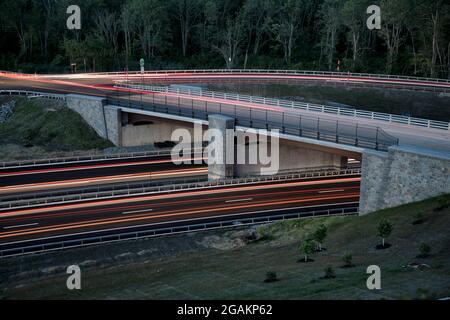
403,160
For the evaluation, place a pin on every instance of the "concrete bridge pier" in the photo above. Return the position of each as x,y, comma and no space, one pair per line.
221,147
237,152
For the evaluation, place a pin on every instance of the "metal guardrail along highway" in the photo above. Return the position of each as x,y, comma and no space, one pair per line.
142,189
355,113
87,158
93,240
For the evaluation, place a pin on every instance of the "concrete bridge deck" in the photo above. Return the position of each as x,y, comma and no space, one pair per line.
408,135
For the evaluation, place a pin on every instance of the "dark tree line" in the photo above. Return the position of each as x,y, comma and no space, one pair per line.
294,34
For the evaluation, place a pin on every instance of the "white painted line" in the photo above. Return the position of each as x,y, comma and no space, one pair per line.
137,211
183,220
330,191
21,225
239,200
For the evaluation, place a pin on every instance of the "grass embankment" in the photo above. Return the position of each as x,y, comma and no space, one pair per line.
234,269
46,125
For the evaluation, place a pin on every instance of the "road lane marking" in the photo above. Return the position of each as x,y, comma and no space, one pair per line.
330,191
238,200
207,190
92,166
142,206
137,211
104,179
168,222
21,225
162,215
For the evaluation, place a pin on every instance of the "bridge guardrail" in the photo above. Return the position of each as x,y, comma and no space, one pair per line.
281,71
355,113
437,84
27,93
335,131
111,238
143,190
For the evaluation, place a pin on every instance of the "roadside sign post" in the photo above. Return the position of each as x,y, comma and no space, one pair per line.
142,64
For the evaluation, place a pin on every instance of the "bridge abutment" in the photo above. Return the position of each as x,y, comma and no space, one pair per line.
402,175
104,119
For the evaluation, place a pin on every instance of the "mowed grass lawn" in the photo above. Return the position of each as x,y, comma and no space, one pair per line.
239,273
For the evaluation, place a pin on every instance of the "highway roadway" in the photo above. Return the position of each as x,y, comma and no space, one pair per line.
112,216
52,223
259,75
92,173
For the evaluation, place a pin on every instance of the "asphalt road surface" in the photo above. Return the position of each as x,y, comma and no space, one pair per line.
110,216
69,175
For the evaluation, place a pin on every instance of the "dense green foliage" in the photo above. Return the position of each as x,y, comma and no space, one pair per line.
296,34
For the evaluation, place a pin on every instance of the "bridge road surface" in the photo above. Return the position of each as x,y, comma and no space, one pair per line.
432,139
408,135
252,75
22,179
45,224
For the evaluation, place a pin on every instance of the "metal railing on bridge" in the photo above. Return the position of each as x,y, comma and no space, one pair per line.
340,111
34,94
343,75
287,122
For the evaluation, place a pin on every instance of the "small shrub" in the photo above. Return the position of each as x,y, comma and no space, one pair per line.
419,218
424,250
306,248
319,235
348,259
329,273
384,229
271,276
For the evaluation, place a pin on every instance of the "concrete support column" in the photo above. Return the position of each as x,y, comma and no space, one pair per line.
221,147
